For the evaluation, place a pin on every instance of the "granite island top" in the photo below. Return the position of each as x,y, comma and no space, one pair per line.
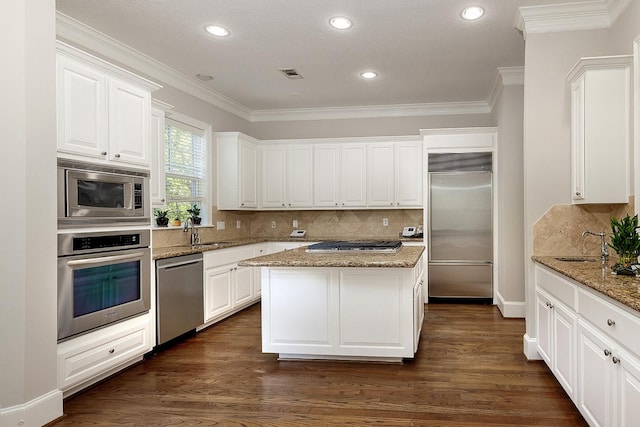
624,289
179,250
406,257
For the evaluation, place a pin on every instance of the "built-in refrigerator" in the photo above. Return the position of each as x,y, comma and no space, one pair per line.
460,230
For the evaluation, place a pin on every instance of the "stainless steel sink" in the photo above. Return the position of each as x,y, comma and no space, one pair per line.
575,259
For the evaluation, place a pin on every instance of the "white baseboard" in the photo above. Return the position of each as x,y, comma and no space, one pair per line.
35,413
511,308
530,348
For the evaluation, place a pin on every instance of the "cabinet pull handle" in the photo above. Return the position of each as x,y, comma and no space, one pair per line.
611,322
104,153
113,350
615,360
117,156
607,352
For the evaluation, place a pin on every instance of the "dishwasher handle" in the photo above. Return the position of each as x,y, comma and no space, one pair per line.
179,264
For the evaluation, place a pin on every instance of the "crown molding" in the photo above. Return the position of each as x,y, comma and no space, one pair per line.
79,34
371,111
504,76
588,15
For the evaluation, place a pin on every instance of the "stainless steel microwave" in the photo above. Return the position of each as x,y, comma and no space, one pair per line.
91,195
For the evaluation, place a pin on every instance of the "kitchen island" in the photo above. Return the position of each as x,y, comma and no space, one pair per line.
351,305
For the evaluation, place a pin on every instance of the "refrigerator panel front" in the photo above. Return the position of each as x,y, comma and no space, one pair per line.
460,280
460,216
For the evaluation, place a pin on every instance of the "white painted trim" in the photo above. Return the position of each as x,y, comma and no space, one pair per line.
459,131
362,139
87,37
372,111
511,309
530,348
586,15
598,62
636,121
36,412
504,76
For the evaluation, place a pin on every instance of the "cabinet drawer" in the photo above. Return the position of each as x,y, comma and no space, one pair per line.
559,288
227,256
616,322
90,355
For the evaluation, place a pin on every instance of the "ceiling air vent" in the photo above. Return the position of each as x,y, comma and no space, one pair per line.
290,73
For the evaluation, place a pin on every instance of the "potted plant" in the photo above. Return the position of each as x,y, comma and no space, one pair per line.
161,217
626,242
176,221
194,213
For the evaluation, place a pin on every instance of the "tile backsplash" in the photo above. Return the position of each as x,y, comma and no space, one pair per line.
559,230
338,224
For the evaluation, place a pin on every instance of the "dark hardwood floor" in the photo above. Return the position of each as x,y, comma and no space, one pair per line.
469,371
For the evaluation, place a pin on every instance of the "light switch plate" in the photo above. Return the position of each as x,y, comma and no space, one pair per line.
220,225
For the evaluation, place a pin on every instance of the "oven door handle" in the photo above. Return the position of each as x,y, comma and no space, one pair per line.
106,259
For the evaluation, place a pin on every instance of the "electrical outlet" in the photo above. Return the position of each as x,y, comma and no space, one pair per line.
385,222
273,224
238,224
295,223
220,225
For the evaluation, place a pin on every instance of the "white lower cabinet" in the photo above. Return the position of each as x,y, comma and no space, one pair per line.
228,288
91,357
556,339
593,351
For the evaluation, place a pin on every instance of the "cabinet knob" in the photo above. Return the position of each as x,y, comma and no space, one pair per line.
607,352
336,204
577,193
611,322
241,204
615,360
104,153
162,200
117,156
113,350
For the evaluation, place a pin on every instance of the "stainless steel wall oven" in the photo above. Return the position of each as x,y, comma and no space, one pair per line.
90,195
103,278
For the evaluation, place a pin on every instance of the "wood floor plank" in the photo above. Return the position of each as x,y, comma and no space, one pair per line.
469,372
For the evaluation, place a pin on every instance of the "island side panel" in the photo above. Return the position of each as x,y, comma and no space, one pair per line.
365,313
373,312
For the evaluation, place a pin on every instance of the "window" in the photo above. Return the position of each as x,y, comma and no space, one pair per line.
185,158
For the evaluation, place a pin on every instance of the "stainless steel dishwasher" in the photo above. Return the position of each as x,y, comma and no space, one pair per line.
180,296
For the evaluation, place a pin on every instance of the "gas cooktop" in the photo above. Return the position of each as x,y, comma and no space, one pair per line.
384,246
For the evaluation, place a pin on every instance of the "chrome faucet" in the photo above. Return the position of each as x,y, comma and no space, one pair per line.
195,239
604,253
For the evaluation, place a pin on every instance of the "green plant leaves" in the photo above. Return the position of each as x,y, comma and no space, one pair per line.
625,240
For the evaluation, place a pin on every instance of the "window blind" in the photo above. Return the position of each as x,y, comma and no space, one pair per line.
185,167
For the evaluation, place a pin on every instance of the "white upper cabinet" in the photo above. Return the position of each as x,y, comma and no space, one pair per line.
274,177
103,112
380,175
300,176
409,177
326,175
238,161
600,129
353,175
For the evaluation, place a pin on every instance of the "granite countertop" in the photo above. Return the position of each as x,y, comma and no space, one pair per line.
624,289
406,257
174,251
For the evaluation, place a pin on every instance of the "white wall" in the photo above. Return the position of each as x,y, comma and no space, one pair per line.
508,112
547,164
381,126
28,386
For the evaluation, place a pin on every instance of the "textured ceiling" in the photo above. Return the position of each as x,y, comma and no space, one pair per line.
422,50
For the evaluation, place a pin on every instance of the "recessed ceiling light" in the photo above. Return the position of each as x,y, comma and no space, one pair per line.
204,77
472,13
340,23
368,75
216,30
